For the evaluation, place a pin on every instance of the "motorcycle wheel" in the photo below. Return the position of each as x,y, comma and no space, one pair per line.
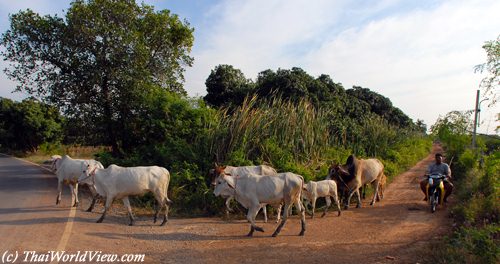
434,202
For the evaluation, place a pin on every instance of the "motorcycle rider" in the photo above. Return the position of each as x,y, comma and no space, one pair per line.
439,167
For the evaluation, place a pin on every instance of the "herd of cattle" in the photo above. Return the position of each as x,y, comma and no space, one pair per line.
253,187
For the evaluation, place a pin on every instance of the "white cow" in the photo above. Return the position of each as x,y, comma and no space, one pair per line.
326,188
252,190
55,162
244,170
67,171
120,182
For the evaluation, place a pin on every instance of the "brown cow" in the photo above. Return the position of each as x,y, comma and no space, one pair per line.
354,174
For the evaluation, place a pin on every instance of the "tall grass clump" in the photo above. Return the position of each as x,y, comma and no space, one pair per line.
273,131
298,137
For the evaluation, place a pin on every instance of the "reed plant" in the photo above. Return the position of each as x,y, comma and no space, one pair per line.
258,125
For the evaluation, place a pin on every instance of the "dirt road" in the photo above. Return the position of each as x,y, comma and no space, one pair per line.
395,230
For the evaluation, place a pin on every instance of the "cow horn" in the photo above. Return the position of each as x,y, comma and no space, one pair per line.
342,170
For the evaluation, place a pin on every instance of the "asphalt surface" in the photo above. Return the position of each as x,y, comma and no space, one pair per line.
29,218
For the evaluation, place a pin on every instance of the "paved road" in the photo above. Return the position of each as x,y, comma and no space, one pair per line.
29,219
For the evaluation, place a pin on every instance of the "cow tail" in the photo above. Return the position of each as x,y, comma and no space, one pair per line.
301,190
302,187
168,201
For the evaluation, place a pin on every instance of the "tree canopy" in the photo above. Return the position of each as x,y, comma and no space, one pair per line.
225,84
27,124
98,61
227,87
492,67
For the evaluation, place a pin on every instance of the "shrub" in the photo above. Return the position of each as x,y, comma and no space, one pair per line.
25,125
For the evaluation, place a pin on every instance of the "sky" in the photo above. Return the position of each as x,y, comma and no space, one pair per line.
419,54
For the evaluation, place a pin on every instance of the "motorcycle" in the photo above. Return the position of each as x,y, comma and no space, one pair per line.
435,190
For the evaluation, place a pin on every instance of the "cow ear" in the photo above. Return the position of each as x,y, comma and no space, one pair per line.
230,181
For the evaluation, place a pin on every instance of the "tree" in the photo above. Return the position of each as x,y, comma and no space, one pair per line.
291,84
421,126
382,106
26,125
492,66
96,63
227,85
456,122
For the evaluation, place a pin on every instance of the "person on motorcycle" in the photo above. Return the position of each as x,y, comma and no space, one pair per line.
439,167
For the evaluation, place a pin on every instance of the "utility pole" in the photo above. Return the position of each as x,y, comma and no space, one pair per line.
476,112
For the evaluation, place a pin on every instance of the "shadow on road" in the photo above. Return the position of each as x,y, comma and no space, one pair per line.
41,221
39,209
181,236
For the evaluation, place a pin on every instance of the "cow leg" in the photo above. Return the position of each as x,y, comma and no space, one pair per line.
375,186
72,191
92,204
302,213
337,202
306,206
94,198
264,211
354,191
328,203
313,202
380,194
283,221
252,213
165,216
126,202
359,205
157,210
163,201
278,215
347,202
228,206
109,201
252,229
302,220
345,198
75,193
342,194
59,192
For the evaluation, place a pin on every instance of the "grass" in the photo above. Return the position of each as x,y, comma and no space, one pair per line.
75,151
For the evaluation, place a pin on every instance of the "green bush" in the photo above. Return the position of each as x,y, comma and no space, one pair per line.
480,244
25,125
467,159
